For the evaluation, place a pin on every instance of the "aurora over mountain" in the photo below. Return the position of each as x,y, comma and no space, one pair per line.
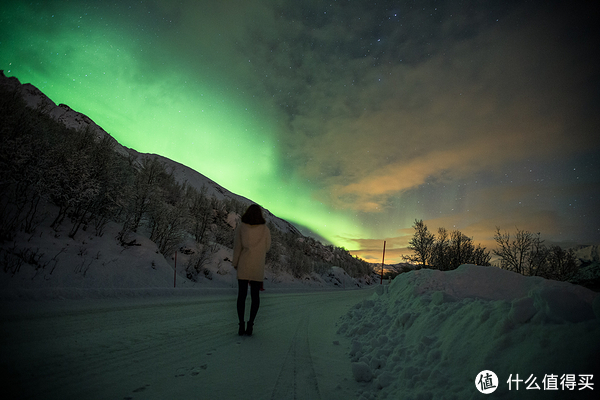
346,118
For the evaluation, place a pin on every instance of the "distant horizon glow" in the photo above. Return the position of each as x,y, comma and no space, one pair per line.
344,123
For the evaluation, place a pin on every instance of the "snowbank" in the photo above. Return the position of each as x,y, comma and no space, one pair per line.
430,333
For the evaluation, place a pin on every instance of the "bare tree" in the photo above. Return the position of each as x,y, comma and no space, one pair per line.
460,249
513,252
197,263
481,256
536,258
562,264
449,251
526,254
440,249
200,210
168,214
421,243
147,181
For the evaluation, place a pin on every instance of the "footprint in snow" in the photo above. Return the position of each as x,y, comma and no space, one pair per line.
140,389
193,371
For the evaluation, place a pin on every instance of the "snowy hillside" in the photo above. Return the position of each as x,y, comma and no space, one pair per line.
101,267
185,174
79,211
430,333
35,99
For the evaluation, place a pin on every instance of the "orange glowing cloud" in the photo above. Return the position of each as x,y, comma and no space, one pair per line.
371,250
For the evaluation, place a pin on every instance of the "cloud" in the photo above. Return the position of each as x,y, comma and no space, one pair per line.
369,116
434,114
366,113
447,121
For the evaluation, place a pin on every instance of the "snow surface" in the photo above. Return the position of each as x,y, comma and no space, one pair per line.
425,336
178,347
430,333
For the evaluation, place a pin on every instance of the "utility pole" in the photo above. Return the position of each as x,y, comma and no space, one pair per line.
382,260
175,271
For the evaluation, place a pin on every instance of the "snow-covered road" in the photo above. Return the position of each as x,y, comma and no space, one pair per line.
172,347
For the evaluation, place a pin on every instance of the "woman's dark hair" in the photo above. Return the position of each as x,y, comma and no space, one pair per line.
253,215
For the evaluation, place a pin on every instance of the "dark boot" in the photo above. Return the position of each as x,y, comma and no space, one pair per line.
249,328
241,330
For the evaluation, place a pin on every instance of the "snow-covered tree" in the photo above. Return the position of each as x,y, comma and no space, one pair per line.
199,211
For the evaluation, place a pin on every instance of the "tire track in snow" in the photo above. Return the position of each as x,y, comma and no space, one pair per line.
65,354
155,349
297,378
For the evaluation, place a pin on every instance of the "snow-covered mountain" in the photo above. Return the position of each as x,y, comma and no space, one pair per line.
36,99
46,255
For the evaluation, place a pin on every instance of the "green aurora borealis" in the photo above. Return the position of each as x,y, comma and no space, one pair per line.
101,70
294,106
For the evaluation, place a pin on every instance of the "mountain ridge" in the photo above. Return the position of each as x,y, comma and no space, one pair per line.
36,99
79,211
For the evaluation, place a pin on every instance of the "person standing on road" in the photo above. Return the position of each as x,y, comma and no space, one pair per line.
250,245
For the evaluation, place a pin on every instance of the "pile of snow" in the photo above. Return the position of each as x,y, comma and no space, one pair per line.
430,333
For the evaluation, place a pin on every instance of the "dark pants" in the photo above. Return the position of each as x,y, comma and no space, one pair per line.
241,300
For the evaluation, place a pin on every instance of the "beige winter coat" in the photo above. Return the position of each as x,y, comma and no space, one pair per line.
250,247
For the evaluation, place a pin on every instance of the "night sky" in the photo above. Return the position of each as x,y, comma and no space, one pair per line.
349,118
